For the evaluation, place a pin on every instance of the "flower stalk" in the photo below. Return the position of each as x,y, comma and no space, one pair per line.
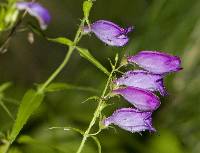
66,59
97,112
59,69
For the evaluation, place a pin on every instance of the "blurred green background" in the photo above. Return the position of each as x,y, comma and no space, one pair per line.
168,25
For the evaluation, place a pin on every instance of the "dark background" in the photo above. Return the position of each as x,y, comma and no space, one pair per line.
172,26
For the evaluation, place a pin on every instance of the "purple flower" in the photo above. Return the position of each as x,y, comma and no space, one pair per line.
36,10
143,79
109,32
142,99
131,120
156,62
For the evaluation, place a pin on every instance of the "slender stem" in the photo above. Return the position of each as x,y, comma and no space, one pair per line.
66,59
57,71
62,65
96,113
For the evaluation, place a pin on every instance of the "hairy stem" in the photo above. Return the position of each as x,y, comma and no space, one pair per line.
96,113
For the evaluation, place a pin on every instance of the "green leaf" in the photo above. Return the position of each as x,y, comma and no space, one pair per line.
87,5
4,86
62,40
29,104
91,98
6,109
88,56
4,145
68,128
53,87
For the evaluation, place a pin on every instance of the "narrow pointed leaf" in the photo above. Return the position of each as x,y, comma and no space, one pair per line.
87,5
4,86
62,40
6,110
53,87
88,56
29,104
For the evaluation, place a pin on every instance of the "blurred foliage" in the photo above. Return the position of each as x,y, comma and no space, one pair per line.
8,14
169,25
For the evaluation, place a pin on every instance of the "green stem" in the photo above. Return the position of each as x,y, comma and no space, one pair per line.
62,65
96,114
66,59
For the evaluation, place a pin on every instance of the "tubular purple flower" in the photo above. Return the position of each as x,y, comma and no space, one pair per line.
109,32
143,79
131,120
36,10
142,99
156,62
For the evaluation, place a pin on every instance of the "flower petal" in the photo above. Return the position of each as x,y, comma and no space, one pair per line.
143,79
156,62
142,99
109,32
36,10
131,120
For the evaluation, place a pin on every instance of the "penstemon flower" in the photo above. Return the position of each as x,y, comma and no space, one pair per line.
142,99
36,10
140,85
143,79
136,86
109,32
131,120
156,62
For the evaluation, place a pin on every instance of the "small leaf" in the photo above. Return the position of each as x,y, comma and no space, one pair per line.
53,87
62,40
68,129
88,56
87,5
116,58
6,110
4,86
91,98
29,104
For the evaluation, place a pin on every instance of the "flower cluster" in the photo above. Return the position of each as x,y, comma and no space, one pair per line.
138,87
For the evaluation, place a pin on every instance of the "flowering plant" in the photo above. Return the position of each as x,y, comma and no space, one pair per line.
138,87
